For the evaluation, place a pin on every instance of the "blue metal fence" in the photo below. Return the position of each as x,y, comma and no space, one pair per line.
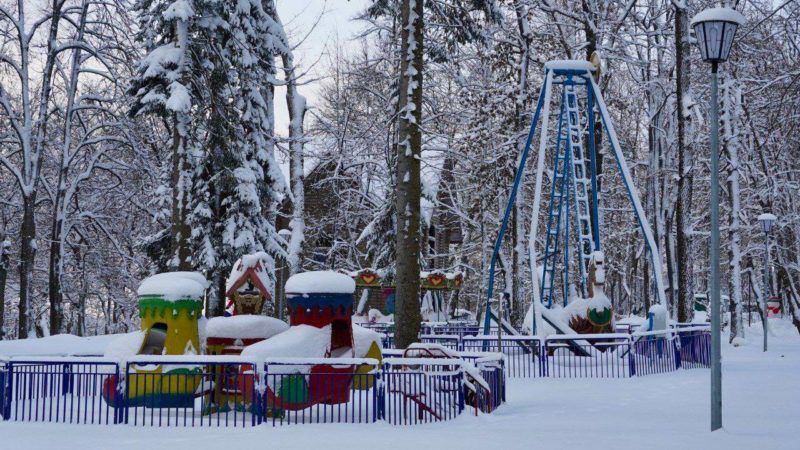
293,393
695,346
67,390
654,353
422,390
522,353
219,391
609,356
235,392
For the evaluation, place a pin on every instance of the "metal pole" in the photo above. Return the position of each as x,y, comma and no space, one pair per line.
765,296
716,367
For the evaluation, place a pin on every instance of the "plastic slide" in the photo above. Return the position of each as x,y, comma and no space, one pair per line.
577,346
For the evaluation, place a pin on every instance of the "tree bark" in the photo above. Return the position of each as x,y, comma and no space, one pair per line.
683,210
296,104
408,175
4,264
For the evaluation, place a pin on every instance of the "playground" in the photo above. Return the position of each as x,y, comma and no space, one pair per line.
761,394
573,371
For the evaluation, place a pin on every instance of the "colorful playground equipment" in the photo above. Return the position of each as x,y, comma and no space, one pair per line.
321,309
170,305
572,204
434,285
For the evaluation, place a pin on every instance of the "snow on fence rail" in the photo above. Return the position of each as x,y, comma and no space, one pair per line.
612,355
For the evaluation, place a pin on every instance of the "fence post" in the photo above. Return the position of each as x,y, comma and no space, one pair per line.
4,394
461,391
631,358
255,401
543,368
378,397
677,345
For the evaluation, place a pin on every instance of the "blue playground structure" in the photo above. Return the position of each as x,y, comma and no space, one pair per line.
573,199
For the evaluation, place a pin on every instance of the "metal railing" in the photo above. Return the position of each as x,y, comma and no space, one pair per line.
522,353
695,346
233,391
654,352
422,390
297,393
609,356
64,390
184,391
612,355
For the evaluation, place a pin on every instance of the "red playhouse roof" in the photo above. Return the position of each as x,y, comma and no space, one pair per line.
244,270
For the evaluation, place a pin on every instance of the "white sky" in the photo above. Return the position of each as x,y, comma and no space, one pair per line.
333,20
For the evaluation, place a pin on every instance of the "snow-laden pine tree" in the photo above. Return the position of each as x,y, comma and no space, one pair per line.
167,82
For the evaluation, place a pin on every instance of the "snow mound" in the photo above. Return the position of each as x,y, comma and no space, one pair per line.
363,339
58,345
301,341
320,282
174,286
125,345
245,327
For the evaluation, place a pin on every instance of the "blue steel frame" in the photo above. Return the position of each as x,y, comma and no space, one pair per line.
590,93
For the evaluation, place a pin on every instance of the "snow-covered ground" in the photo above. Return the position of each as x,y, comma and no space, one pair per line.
761,410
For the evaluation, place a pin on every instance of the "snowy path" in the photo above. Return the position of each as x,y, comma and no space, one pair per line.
761,411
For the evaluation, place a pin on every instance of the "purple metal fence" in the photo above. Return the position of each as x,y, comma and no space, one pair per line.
451,341
522,353
654,352
316,392
609,356
422,390
66,390
695,345
190,391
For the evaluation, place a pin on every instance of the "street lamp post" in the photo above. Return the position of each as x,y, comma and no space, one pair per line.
715,29
766,220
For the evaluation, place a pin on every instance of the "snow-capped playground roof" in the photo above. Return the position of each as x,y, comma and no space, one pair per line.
174,286
252,267
320,282
719,15
245,326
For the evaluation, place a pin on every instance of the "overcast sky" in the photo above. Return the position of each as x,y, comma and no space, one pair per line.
332,19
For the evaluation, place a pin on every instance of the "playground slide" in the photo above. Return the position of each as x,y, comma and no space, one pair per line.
549,316
510,330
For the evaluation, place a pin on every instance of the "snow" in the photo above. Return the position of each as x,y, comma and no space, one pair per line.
320,282
301,341
363,339
58,345
569,64
659,412
767,216
181,9
174,286
125,345
245,327
246,262
719,15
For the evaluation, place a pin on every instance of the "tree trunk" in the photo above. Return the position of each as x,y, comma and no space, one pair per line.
26,259
408,175
181,184
683,210
4,264
296,104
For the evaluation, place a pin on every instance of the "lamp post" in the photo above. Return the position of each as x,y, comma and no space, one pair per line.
766,220
714,29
